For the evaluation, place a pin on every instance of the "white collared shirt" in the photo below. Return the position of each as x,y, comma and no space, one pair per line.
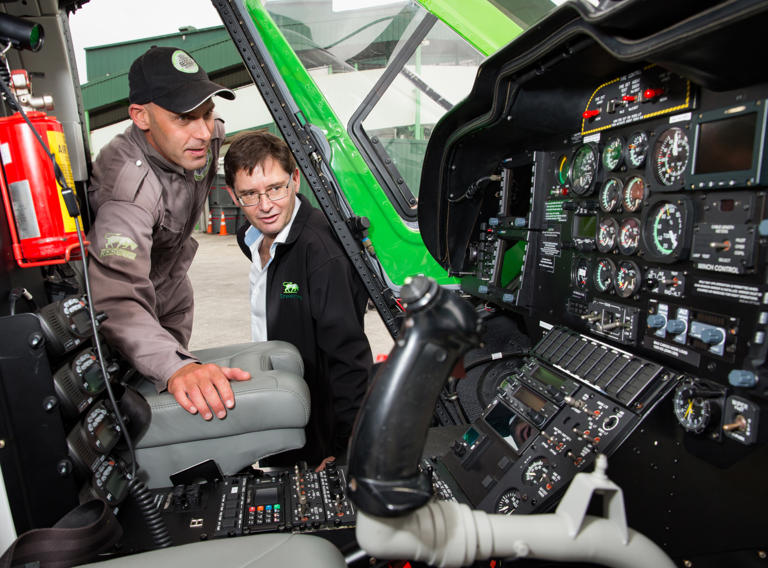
258,276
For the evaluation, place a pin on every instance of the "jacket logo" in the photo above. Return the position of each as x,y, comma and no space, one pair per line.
116,244
290,288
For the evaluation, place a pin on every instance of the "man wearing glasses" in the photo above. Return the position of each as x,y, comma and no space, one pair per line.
303,289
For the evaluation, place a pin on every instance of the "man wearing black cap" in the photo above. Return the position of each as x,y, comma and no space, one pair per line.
148,187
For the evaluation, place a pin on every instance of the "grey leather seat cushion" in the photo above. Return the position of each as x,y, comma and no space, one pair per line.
271,410
257,551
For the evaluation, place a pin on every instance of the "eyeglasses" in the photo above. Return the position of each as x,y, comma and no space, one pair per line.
251,198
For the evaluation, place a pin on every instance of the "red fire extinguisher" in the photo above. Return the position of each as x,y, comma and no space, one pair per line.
42,231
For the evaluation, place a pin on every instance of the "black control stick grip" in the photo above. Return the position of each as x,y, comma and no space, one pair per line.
391,428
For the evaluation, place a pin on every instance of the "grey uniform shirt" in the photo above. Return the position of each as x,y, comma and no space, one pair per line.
146,208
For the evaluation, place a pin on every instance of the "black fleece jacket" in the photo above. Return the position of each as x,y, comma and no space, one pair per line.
316,301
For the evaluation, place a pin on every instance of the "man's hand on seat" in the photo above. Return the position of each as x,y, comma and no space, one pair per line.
205,388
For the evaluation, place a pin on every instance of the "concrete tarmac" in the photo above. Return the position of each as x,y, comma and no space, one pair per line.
219,277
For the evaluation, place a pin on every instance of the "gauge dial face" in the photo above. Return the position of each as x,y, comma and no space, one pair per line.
665,225
606,234
613,152
583,169
508,502
536,472
692,412
610,194
629,236
604,274
627,279
633,194
561,174
637,149
670,156
581,273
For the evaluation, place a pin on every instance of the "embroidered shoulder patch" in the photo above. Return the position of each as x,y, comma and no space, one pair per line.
116,244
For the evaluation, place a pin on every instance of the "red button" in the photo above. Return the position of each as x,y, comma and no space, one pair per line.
590,113
652,93
628,98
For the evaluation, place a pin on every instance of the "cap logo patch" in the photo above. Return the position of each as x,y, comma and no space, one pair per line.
183,62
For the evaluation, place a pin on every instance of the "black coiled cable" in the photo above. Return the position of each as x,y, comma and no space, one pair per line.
154,521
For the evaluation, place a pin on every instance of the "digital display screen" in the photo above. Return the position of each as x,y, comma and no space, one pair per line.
584,227
529,399
515,431
93,380
265,496
471,436
726,145
116,484
105,434
548,377
82,322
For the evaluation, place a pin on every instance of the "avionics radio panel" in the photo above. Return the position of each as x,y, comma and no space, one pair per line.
574,398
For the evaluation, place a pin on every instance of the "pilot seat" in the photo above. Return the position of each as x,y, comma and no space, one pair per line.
271,411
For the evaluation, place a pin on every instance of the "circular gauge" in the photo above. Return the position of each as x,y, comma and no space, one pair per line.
629,236
606,234
694,413
561,174
604,275
637,148
583,169
508,502
536,472
670,156
664,229
581,273
633,194
613,152
627,279
610,194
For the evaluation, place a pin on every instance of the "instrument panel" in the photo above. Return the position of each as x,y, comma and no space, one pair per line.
644,229
647,227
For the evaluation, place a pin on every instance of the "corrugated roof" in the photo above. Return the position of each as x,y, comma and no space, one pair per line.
107,60
106,97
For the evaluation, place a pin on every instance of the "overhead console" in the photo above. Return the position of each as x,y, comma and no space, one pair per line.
605,185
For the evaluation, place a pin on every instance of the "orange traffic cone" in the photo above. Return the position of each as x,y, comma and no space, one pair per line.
209,230
223,224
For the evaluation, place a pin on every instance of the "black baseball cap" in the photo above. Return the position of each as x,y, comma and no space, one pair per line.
172,79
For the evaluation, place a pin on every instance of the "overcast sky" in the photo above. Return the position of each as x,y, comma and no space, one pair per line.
102,22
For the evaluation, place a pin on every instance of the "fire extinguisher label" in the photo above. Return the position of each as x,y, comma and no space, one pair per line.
5,153
24,210
58,146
